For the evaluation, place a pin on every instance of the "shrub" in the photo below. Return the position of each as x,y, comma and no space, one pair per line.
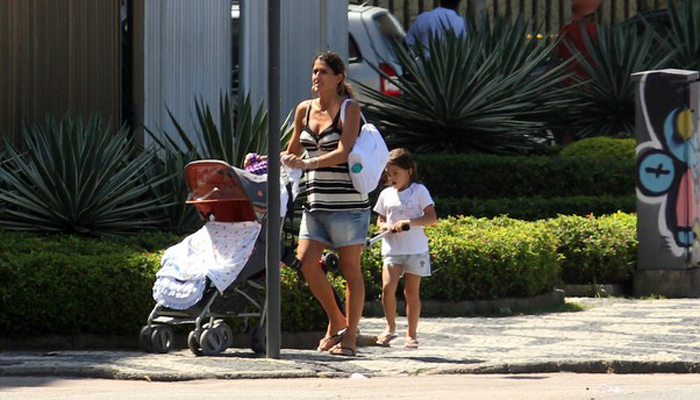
495,177
604,101
535,207
602,147
68,284
71,284
596,250
78,177
480,259
478,92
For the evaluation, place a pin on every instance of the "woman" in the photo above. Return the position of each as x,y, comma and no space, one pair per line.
335,215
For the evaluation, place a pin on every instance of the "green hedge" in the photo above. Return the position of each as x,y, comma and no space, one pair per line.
481,259
68,284
596,250
482,176
602,147
535,207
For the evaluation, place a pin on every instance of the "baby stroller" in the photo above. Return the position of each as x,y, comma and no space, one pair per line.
217,272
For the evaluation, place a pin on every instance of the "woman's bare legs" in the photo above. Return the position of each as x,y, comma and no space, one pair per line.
349,262
309,252
412,292
390,281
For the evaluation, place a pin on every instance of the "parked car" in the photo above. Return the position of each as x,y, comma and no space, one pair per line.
371,31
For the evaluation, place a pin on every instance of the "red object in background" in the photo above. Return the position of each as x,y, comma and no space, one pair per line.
573,41
386,85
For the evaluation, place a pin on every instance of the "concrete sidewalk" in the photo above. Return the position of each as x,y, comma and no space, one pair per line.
611,335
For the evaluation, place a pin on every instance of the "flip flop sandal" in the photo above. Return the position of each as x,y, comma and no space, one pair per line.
328,342
411,344
343,351
385,338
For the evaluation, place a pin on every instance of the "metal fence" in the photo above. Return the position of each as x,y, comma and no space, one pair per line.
547,15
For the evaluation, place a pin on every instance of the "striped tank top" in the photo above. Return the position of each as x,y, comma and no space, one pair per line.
329,188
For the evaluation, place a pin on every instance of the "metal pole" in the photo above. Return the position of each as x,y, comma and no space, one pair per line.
273,223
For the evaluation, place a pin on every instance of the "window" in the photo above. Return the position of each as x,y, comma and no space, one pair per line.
354,55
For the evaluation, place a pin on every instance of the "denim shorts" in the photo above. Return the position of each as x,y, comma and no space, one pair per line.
335,228
415,264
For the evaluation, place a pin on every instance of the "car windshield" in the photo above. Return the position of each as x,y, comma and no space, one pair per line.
390,30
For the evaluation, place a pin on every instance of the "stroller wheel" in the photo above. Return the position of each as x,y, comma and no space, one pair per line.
162,338
145,339
330,262
226,334
211,341
193,344
258,340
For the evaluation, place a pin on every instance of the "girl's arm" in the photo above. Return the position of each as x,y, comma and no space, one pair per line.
429,218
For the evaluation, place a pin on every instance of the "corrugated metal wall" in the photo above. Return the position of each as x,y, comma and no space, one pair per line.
57,56
186,54
308,26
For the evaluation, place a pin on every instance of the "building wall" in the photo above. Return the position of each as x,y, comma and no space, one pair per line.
308,26
186,55
58,56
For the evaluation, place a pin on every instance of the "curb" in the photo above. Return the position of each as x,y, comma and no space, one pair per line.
471,308
580,367
590,367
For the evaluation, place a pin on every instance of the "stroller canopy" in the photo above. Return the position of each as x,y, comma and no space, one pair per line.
228,194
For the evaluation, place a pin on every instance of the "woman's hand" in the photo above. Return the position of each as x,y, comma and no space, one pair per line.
292,161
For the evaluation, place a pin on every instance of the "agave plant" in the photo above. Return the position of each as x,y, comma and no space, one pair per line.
488,91
239,131
77,177
683,36
604,103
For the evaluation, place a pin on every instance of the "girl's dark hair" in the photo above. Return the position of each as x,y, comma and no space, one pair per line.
336,63
403,159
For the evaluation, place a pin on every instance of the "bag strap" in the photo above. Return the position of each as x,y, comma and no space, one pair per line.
308,112
342,112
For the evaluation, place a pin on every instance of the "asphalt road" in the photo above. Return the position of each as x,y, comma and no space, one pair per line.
493,387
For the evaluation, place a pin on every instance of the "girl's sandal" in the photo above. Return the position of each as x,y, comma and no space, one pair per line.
411,343
385,338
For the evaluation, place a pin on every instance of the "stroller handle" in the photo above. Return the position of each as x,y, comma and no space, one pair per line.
379,236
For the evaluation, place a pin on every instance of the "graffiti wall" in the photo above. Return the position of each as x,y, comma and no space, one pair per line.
668,170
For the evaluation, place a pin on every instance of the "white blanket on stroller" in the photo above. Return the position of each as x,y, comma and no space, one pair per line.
219,250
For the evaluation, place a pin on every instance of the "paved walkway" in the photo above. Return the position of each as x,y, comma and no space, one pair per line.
611,335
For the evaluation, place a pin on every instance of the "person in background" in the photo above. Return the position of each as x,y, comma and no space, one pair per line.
583,19
435,22
583,23
404,204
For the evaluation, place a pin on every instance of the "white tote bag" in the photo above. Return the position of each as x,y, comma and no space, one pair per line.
368,156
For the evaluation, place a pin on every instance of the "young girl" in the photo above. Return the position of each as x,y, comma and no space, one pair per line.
405,252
